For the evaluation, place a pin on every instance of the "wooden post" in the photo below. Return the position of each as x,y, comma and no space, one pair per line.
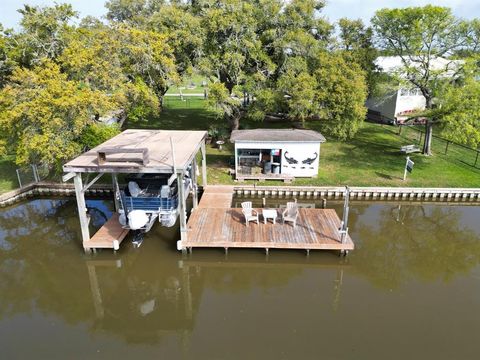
346,208
182,209
82,208
204,164
194,183
34,172
18,177
236,160
115,189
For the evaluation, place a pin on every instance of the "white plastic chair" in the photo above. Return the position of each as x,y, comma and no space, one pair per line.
290,213
249,213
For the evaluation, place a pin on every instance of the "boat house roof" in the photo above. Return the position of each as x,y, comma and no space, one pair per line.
276,135
140,151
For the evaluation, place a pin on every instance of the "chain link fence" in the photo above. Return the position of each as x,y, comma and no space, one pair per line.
440,146
31,174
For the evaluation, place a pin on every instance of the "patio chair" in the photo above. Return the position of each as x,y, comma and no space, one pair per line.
290,213
250,214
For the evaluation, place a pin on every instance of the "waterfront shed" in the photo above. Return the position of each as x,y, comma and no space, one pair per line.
276,153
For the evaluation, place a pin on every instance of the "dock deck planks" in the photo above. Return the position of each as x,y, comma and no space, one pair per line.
217,196
105,236
225,227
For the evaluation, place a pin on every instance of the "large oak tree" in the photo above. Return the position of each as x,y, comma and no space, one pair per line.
420,36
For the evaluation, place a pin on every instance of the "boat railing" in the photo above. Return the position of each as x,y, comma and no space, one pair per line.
149,203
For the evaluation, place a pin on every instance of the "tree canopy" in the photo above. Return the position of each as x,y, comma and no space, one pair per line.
282,57
421,36
42,114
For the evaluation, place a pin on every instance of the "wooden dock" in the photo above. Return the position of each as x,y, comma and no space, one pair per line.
226,228
217,196
110,235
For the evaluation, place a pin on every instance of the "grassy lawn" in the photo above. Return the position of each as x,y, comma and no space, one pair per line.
192,85
372,158
190,113
8,177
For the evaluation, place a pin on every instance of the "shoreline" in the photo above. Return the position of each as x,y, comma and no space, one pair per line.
315,192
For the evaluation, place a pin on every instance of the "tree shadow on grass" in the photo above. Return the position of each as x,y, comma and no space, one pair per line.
220,160
178,116
385,176
369,157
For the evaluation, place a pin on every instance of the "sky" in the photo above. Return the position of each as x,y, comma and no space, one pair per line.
334,10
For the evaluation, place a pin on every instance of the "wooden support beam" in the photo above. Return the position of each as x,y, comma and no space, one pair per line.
194,183
172,148
171,179
82,207
204,164
236,160
94,180
116,201
68,176
182,210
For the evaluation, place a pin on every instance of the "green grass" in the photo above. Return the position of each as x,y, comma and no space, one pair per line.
190,113
8,177
372,158
187,88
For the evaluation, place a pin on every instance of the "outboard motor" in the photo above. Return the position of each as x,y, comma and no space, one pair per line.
137,219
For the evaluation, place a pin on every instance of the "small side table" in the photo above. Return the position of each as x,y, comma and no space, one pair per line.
269,214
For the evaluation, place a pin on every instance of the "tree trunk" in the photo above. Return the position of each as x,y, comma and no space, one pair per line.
235,121
225,80
427,145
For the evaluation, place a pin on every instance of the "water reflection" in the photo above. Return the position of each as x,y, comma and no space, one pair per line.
142,300
152,295
398,244
137,295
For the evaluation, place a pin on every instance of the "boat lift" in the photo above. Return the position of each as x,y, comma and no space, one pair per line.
168,153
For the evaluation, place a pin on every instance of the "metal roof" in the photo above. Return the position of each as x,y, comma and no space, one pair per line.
280,135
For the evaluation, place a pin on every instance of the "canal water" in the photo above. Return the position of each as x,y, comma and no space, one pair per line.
410,290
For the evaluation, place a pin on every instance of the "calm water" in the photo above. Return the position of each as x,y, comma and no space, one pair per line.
411,290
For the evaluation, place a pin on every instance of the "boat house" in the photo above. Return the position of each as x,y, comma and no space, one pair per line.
276,153
158,168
